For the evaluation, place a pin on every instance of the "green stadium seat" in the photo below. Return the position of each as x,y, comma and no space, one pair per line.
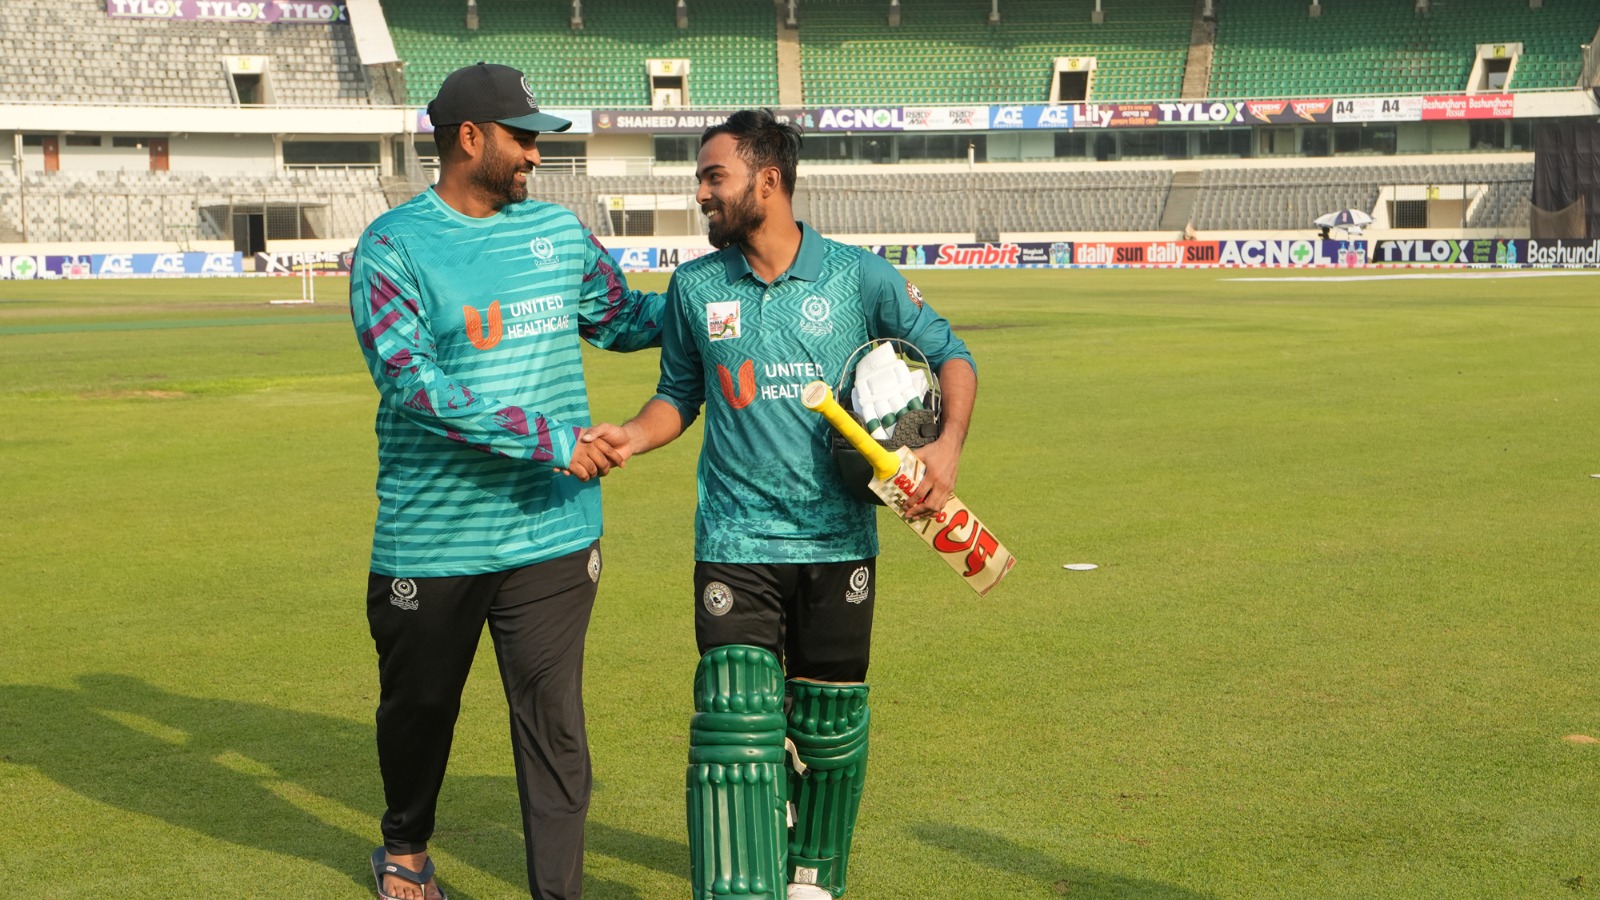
731,46
970,58
1273,48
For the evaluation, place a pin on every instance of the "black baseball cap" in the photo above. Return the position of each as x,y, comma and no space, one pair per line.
488,92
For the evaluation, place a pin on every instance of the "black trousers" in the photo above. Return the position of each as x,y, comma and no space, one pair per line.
427,631
815,617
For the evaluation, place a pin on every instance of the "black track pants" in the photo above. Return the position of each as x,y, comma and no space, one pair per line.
427,631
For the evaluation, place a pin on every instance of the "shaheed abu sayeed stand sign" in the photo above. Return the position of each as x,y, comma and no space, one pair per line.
262,12
669,121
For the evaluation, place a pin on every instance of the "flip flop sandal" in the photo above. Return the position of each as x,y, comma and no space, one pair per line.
382,867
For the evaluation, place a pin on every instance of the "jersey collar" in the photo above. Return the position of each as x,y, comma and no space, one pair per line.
807,265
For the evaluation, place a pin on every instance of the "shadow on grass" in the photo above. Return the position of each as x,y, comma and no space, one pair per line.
643,850
239,772
495,843
1062,878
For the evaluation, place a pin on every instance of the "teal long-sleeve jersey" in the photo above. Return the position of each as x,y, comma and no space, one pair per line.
769,490
470,328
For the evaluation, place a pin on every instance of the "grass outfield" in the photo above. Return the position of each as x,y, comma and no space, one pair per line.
1339,641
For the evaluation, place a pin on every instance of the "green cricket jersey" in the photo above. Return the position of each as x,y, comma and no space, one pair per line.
470,328
769,489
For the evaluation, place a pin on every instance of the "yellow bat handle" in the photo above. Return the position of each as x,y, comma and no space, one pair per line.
817,397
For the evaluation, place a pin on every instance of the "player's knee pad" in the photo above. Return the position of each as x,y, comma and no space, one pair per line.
828,726
737,786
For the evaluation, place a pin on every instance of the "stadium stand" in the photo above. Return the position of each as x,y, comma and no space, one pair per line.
71,51
1272,48
1242,199
731,46
1119,200
1505,204
945,52
176,207
10,208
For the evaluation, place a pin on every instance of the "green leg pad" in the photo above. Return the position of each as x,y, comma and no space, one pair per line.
828,725
737,786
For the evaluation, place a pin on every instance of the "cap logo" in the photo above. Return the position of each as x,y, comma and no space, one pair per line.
533,103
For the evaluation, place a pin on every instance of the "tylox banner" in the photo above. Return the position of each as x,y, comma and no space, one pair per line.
259,12
1456,252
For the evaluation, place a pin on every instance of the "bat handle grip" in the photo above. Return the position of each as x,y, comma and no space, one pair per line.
818,397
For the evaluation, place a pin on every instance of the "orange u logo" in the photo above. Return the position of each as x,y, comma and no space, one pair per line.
746,392
480,338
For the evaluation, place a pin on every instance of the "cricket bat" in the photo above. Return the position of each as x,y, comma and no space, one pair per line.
954,532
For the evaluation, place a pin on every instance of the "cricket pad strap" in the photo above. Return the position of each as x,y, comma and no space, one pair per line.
828,726
737,786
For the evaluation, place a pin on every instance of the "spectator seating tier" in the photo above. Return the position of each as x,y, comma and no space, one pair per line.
1272,48
71,51
945,52
1284,199
731,46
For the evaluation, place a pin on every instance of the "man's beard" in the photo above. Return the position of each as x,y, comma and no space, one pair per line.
735,222
496,177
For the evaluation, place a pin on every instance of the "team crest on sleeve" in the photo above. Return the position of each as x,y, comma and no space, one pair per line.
722,320
914,295
718,598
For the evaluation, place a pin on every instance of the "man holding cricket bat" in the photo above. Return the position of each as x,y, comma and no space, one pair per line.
784,552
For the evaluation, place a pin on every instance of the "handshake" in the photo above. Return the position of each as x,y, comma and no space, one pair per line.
600,448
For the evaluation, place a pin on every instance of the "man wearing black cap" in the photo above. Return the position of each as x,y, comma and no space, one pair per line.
469,301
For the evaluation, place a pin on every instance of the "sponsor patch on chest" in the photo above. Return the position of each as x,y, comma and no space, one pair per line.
722,320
